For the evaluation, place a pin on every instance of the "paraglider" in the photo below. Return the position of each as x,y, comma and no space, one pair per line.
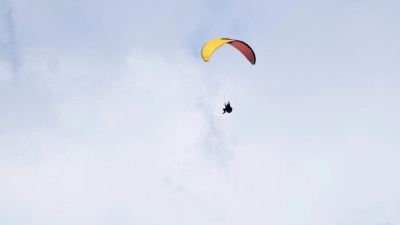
227,108
211,46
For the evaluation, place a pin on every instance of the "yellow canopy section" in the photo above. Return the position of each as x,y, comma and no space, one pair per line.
210,47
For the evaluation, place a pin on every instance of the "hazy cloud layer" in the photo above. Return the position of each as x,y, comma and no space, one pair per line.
109,115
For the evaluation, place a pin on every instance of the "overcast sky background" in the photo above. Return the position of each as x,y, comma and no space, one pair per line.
109,115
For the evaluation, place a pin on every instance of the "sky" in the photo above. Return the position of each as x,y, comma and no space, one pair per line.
109,115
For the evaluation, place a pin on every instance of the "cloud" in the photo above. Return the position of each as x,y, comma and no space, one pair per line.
112,116
8,47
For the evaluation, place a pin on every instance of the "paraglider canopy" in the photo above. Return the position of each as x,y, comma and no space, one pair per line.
210,47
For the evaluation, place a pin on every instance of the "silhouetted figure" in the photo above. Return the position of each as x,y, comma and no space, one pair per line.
227,108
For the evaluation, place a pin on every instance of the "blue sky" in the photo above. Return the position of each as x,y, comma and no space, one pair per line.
109,115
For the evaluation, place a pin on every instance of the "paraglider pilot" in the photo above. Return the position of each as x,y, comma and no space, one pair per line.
227,108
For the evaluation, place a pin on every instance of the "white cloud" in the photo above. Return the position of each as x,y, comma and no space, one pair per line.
6,72
112,116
